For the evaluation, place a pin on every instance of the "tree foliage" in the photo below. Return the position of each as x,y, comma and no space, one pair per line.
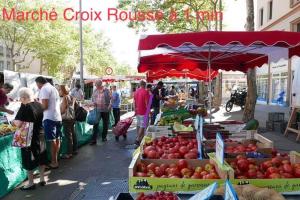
56,43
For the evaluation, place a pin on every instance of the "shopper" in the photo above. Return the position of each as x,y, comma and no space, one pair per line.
6,89
172,92
116,102
50,100
141,98
101,99
147,117
158,95
68,122
35,155
77,93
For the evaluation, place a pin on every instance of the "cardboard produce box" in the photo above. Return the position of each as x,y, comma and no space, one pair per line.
282,185
263,146
179,185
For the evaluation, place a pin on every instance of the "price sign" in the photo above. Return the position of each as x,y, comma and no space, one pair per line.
220,148
230,194
201,128
206,193
196,124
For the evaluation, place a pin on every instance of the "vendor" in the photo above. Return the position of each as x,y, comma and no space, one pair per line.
6,89
172,92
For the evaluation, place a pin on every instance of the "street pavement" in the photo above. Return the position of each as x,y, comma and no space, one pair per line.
101,172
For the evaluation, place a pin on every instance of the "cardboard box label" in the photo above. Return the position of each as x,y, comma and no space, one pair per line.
145,184
280,185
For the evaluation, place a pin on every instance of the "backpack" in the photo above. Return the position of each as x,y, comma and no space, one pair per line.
80,114
70,112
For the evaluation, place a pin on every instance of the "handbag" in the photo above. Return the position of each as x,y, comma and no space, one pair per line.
23,135
80,114
93,117
70,111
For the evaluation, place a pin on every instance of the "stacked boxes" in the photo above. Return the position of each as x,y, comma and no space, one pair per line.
276,122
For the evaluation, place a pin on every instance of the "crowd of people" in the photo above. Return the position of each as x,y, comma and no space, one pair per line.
52,111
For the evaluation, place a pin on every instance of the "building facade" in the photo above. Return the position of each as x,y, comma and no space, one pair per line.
274,80
29,65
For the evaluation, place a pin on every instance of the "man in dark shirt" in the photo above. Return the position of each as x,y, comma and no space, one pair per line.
158,95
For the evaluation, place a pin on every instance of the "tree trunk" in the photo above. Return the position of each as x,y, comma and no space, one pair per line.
220,10
251,74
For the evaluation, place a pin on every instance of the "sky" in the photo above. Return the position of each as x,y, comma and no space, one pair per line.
125,40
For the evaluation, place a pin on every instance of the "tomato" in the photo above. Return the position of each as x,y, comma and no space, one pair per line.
151,167
297,172
287,168
175,172
149,148
171,156
203,173
182,164
186,172
141,174
152,154
191,156
183,150
266,165
194,150
287,175
141,167
243,164
276,161
198,169
196,175
260,175
272,170
158,172
163,167
252,173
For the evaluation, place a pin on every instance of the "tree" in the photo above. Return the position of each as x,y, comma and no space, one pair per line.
251,73
182,23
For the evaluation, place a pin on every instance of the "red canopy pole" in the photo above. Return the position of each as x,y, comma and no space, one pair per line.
209,85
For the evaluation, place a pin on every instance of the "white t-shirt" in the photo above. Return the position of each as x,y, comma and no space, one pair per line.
53,112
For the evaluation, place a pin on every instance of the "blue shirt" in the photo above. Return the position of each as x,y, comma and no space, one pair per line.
116,99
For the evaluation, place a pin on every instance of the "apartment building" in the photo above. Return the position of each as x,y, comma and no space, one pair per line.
30,64
274,80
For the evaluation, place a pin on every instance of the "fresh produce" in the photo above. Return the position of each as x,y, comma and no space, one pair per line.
199,111
180,169
276,167
177,127
157,196
242,148
250,192
7,129
171,148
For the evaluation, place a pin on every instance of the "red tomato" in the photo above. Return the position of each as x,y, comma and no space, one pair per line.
183,150
243,164
297,172
141,167
158,172
274,175
182,164
152,154
276,161
190,156
141,174
287,168
151,167
149,148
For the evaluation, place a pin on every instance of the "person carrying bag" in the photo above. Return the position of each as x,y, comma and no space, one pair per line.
67,109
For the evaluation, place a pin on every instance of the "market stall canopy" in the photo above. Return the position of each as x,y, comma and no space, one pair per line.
214,46
116,78
191,62
197,74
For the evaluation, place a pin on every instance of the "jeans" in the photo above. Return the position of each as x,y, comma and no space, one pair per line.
116,112
156,112
69,131
105,118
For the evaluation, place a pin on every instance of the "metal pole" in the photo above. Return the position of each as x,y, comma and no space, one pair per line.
81,48
209,86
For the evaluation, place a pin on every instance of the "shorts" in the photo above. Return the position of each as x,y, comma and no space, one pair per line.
140,121
52,129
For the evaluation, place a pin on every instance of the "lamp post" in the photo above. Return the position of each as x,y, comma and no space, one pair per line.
81,48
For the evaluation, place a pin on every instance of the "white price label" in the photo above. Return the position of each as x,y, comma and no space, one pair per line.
230,194
206,193
220,148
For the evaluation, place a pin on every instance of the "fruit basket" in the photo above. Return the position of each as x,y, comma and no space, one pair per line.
180,176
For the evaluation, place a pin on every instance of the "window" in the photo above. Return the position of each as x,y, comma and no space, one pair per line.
8,65
262,87
1,65
294,3
279,88
1,51
261,16
295,25
270,8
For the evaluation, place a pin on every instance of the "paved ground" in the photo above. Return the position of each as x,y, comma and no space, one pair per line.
100,172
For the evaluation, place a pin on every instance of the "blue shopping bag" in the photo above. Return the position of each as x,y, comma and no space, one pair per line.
93,117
